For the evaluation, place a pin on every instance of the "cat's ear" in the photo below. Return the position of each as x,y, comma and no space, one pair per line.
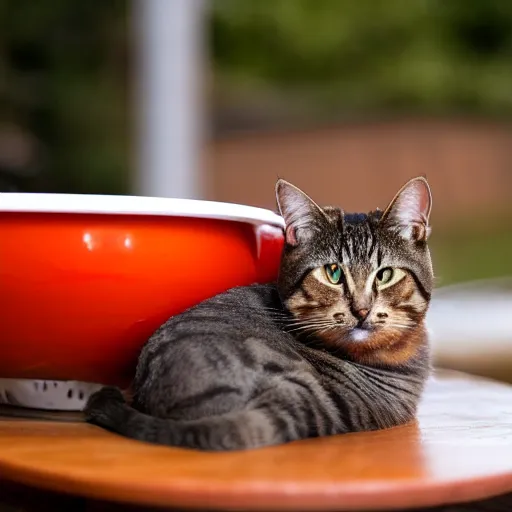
409,211
299,211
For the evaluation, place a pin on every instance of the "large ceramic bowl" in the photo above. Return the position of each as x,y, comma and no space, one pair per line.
85,280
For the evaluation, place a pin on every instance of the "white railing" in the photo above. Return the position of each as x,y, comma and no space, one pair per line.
168,47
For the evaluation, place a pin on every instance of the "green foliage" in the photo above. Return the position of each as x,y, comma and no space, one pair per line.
64,68
63,79
419,55
471,254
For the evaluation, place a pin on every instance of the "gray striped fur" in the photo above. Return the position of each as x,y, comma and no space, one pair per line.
254,366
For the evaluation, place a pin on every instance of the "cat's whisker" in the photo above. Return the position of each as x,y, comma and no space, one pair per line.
295,322
307,327
291,323
395,325
320,318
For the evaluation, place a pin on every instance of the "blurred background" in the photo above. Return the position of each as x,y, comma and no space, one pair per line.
215,99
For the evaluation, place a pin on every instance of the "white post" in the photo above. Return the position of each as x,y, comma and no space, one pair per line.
168,63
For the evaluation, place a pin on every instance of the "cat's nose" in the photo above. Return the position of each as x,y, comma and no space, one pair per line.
362,313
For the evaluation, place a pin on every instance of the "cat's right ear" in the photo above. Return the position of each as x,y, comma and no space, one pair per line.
298,210
409,211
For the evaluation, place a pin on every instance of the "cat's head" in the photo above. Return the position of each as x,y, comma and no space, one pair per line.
359,283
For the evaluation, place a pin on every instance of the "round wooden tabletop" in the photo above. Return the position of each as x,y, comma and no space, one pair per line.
460,449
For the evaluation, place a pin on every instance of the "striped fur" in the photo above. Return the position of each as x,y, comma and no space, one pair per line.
268,364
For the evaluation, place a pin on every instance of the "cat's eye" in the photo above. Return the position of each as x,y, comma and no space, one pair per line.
333,273
388,276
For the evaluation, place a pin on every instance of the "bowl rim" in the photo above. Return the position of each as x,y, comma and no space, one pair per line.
135,205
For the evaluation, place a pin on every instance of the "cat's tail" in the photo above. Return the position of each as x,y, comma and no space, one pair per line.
241,430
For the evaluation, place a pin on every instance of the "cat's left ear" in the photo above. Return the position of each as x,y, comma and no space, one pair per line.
300,213
409,211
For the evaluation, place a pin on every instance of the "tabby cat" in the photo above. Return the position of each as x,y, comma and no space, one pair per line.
337,345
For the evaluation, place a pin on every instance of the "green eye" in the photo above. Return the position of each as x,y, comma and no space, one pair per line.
384,275
388,276
333,273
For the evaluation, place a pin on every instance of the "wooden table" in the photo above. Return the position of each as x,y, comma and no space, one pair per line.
459,450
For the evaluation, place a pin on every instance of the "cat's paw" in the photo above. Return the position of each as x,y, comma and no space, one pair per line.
101,400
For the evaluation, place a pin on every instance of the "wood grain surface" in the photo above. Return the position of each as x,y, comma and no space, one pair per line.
460,449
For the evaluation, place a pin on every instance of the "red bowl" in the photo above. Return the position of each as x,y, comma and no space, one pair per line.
85,280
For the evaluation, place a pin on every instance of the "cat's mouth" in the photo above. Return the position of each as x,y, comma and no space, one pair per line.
359,334
370,336
355,334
